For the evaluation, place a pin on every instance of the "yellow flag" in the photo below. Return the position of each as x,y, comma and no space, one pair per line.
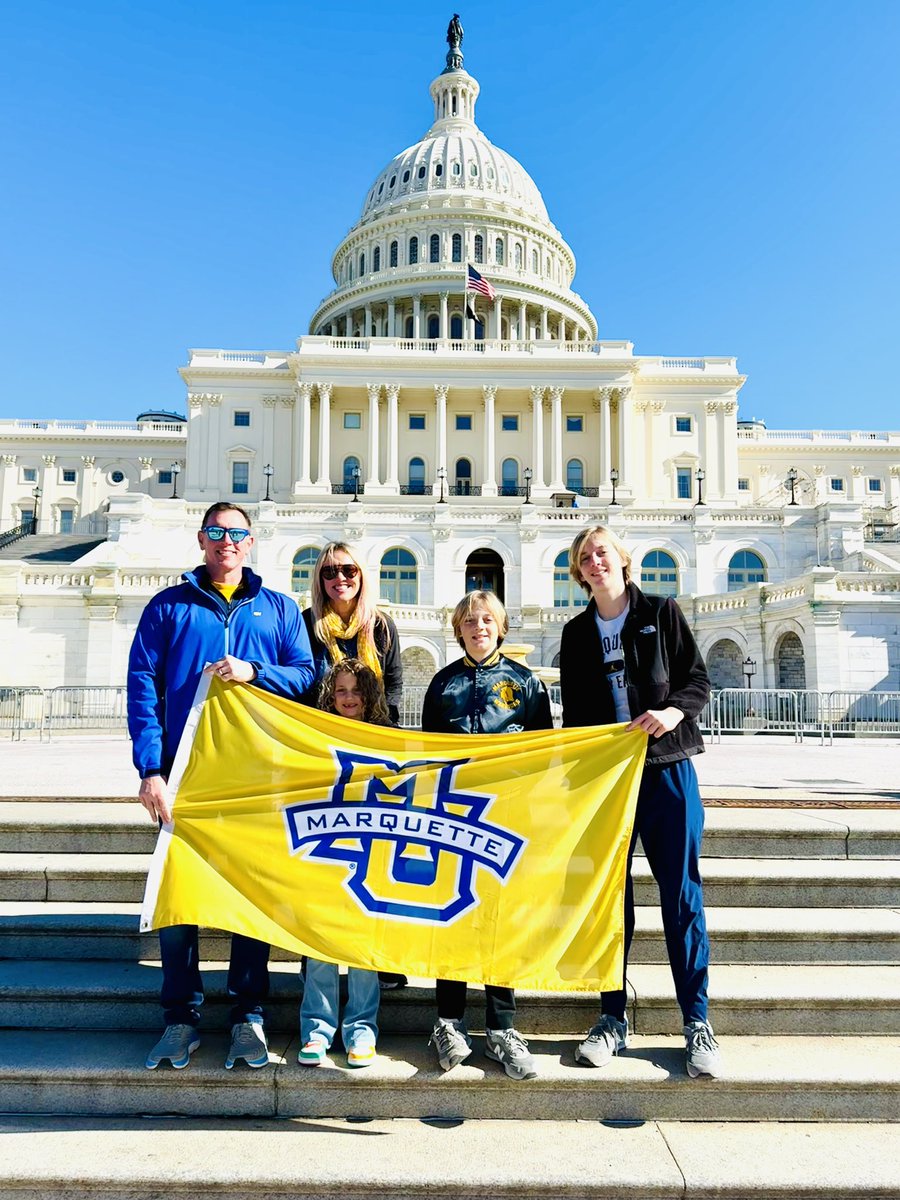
488,858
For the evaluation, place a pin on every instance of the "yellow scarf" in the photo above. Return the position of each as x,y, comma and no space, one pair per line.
330,627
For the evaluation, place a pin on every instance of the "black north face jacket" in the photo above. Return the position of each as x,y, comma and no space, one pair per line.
493,696
662,666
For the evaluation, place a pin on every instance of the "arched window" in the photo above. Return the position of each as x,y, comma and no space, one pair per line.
456,327
745,567
566,592
417,477
463,473
434,248
498,251
434,326
659,574
394,253
413,249
509,477
302,570
479,248
473,170
362,263
456,245
518,255
575,475
351,464
534,262
438,170
409,327
376,259
457,169
399,577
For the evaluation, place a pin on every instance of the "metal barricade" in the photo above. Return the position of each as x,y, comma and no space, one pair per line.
411,707
757,710
21,710
81,708
852,713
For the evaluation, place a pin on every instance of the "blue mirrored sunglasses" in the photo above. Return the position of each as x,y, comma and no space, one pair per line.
215,533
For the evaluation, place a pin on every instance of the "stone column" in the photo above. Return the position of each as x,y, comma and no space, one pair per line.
417,317
348,324
522,331
545,332
557,481
489,479
537,436
303,429
45,509
712,489
213,403
367,330
391,319
728,456
562,329
444,331
8,520
373,478
392,476
323,481
498,323
603,399
195,471
440,440
620,407
268,439
85,486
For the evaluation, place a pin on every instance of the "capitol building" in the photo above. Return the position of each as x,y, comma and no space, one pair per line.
460,439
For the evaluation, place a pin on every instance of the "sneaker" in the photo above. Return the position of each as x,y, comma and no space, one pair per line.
508,1047
312,1054
177,1044
604,1040
390,981
451,1040
361,1054
703,1056
248,1041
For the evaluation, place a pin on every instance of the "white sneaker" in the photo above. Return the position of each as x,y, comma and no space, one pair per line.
605,1040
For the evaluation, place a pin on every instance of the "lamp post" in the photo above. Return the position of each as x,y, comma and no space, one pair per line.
37,509
613,479
699,475
356,474
792,477
268,471
748,666
442,475
529,475
176,471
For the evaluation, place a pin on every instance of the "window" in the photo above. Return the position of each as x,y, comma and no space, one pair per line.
518,256
456,247
164,476
242,419
303,564
393,254
473,170
743,484
683,424
566,592
434,248
392,181
456,169
684,486
240,478
362,263
29,474
376,259
438,170
66,520
399,577
835,484
509,477
509,422
456,327
498,252
463,474
479,248
434,326
351,464
417,420
745,567
574,424
534,262
117,476
352,420
406,176
874,485
575,475
69,476
464,421
413,249
659,574
421,172
417,477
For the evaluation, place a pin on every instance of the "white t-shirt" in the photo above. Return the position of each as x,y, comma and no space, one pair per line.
611,641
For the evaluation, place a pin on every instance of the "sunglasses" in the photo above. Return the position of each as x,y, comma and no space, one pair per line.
215,533
348,570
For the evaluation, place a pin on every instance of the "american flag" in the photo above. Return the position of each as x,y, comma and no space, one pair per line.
477,283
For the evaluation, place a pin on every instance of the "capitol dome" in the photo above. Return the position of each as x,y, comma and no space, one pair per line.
453,199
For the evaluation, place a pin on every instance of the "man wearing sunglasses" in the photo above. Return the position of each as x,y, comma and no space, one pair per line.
220,619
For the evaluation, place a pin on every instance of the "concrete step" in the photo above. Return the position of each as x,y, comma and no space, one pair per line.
731,882
73,827
744,1000
764,1079
31,929
295,1159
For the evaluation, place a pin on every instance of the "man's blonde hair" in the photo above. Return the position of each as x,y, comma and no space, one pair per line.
467,606
577,547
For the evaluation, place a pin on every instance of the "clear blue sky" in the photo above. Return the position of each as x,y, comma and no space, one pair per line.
178,174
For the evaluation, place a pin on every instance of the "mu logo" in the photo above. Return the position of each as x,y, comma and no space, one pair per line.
411,842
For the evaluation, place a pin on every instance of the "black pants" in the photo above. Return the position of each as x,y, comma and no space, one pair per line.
499,1003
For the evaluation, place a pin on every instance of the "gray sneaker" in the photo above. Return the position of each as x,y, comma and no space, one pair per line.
604,1040
508,1047
703,1056
248,1041
451,1040
177,1044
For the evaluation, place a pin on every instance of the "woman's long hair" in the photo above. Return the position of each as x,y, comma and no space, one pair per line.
366,612
371,689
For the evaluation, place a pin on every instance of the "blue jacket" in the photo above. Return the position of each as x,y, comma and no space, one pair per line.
189,625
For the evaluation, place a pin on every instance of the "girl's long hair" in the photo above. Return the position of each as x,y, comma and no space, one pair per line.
375,709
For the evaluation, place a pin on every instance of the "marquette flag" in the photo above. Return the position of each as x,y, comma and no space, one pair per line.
494,859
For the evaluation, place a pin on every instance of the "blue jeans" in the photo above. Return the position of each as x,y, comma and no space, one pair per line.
669,819
182,987
320,1006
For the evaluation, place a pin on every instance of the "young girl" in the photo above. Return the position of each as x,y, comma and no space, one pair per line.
351,690
483,692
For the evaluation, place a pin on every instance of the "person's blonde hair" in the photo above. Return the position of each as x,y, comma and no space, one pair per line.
371,690
365,608
467,606
608,536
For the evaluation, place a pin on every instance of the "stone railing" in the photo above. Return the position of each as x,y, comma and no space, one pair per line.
819,435
96,428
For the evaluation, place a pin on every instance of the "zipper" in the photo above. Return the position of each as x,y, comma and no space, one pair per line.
236,608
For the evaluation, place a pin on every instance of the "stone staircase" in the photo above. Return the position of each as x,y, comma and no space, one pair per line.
51,547
804,916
